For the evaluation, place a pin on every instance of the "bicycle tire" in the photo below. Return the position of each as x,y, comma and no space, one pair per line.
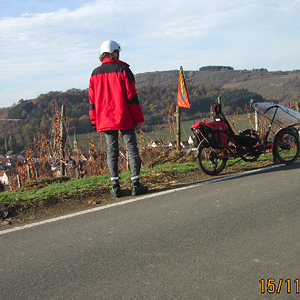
286,146
251,157
209,162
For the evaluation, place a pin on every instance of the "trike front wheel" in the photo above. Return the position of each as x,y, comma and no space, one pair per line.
286,146
211,161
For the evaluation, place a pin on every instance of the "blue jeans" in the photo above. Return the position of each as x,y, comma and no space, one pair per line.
112,143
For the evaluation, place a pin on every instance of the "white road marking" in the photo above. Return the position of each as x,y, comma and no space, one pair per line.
131,200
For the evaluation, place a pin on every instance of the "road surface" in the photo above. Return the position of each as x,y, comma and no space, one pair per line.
219,240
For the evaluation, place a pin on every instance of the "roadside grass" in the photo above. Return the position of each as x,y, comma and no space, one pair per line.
59,189
262,158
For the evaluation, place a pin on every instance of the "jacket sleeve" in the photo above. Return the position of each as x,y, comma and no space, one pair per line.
92,111
132,97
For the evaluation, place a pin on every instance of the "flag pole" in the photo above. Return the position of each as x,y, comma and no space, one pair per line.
178,129
182,101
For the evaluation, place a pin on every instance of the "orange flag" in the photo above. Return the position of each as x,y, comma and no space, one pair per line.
182,96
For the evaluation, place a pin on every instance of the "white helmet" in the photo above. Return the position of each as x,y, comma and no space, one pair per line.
109,46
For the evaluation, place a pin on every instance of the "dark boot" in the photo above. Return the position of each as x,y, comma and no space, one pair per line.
139,189
116,190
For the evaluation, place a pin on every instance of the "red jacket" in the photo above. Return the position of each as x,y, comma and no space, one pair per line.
113,98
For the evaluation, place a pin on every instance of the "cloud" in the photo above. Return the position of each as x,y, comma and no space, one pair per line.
57,50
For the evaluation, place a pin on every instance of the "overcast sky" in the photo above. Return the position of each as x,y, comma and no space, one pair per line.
53,45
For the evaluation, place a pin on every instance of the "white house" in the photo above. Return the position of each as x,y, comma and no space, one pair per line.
4,177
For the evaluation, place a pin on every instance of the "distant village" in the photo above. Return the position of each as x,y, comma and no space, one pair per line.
8,162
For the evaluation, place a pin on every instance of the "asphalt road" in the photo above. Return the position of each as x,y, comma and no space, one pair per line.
220,240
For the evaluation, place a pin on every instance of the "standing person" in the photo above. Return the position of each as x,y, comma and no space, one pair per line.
114,106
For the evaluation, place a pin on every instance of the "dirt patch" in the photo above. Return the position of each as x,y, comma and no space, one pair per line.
231,85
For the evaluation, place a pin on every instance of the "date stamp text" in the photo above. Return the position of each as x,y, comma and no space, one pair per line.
273,286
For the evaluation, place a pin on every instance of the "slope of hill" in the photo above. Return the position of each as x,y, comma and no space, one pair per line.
281,86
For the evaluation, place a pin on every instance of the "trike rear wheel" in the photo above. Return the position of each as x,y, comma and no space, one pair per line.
286,146
210,160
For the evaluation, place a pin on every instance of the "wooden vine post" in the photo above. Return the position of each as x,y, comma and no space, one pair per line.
62,140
